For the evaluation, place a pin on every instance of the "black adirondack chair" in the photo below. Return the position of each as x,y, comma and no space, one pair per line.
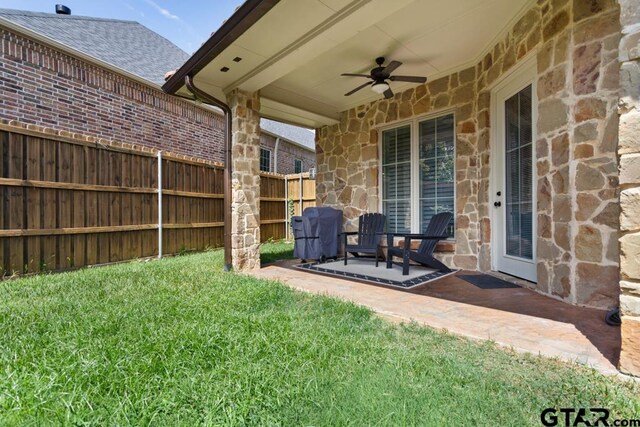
370,231
424,255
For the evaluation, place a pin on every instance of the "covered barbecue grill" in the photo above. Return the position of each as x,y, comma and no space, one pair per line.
316,233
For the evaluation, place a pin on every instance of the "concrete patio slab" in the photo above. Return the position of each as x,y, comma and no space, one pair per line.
517,318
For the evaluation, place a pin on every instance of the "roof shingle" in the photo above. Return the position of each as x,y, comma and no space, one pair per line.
128,45
295,134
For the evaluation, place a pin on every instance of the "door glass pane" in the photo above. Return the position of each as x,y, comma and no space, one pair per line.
519,175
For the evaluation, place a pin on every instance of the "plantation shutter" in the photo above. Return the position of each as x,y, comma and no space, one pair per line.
396,178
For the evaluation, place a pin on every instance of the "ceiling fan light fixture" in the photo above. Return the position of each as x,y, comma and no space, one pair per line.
379,87
379,76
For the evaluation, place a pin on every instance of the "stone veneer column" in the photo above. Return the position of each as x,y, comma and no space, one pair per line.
578,212
245,180
629,151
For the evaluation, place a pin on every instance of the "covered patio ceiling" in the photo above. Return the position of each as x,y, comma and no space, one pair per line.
296,50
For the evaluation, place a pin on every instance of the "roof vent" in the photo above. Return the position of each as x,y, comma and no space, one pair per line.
62,10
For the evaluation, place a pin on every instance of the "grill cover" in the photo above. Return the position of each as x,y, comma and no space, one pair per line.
316,233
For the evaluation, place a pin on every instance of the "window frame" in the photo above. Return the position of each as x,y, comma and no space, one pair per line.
295,161
414,129
270,159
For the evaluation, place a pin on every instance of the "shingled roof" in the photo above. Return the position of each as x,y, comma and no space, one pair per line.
300,136
128,45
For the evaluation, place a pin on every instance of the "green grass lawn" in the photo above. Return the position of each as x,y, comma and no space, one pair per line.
179,342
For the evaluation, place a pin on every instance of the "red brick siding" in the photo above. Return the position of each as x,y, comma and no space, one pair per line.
287,153
43,86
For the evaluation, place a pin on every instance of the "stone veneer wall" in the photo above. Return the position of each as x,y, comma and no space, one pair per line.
629,151
578,72
245,179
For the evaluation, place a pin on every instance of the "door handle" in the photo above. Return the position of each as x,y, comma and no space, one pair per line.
497,204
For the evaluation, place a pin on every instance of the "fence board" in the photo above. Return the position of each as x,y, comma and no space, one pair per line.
33,172
64,258
91,204
16,203
48,206
4,198
103,174
77,205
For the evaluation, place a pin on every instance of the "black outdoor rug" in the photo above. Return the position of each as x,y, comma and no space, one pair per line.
486,281
364,270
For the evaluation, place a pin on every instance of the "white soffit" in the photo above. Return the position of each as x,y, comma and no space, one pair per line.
295,54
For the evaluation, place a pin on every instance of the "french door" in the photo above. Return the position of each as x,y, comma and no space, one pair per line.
514,190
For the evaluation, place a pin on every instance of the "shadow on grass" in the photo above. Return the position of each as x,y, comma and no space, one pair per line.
272,252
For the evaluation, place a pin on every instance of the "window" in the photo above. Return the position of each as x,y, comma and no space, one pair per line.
265,160
418,173
436,169
297,166
396,178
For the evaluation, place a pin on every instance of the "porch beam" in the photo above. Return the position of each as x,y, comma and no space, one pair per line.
290,113
342,25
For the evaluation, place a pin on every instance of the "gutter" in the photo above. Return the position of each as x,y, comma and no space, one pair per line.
242,19
199,94
275,155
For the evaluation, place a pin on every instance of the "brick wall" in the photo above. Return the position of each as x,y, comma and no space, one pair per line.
287,153
43,86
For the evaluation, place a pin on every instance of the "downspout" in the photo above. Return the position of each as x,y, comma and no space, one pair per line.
199,94
275,155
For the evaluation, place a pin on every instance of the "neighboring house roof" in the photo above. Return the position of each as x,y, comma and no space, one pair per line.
128,45
131,47
303,137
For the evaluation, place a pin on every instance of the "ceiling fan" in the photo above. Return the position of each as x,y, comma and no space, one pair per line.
379,76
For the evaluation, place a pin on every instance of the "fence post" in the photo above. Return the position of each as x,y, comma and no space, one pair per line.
159,204
301,193
286,208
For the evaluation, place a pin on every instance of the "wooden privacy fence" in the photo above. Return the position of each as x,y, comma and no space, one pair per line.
283,196
69,202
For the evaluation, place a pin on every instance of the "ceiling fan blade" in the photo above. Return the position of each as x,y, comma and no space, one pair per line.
357,89
356,75
388,93
412,79
391,67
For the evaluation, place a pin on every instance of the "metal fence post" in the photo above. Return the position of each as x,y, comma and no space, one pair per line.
301,193
159,204
286,208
